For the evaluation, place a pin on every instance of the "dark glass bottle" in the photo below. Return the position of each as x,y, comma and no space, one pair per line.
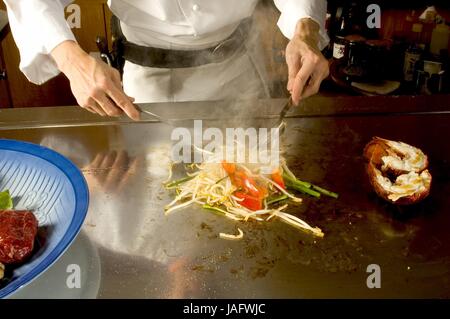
349,24
413,54
339,42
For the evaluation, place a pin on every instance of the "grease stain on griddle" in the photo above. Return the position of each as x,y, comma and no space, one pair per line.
205,226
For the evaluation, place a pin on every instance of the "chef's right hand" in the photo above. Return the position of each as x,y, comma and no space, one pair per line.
96,86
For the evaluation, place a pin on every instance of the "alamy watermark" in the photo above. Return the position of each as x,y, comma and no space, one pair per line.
374,19
374,279
73,18
237,145
73,280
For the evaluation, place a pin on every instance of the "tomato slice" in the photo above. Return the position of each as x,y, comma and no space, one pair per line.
251,191
230,168
278,178
248,201
240,179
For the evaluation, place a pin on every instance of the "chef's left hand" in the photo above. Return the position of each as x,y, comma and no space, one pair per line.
306,65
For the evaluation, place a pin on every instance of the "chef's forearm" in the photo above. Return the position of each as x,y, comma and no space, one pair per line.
293,11
308,30
66,54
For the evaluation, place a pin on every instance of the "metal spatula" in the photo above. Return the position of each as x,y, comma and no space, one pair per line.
280,123
143,109
285,109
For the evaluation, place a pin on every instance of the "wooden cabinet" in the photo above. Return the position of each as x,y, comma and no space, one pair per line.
94,21
5,96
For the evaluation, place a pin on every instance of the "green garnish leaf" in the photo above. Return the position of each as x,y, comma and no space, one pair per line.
5,200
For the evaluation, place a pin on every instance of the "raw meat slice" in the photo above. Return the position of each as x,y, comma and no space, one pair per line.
18,230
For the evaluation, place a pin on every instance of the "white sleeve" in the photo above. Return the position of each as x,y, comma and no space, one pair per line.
294,10
38,26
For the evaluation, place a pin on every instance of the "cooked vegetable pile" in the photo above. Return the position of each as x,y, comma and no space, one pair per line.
243,192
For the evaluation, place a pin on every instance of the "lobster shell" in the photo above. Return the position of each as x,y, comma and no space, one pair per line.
374,152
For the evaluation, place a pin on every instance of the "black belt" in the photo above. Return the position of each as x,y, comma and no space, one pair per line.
171,59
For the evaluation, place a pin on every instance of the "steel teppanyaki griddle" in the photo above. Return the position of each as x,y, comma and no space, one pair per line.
143,253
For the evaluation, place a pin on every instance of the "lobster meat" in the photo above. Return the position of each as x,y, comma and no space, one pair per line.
397,171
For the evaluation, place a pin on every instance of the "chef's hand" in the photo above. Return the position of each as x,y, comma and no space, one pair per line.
306,65
96,86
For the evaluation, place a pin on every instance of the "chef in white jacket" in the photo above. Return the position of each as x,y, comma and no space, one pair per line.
47,47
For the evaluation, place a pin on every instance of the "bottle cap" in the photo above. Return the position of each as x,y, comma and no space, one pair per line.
355,38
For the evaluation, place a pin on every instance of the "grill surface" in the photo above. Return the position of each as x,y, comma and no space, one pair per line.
146,254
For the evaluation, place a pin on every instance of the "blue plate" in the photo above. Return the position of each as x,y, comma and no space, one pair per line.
47,183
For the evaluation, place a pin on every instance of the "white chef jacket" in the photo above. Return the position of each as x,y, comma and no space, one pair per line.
38,26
